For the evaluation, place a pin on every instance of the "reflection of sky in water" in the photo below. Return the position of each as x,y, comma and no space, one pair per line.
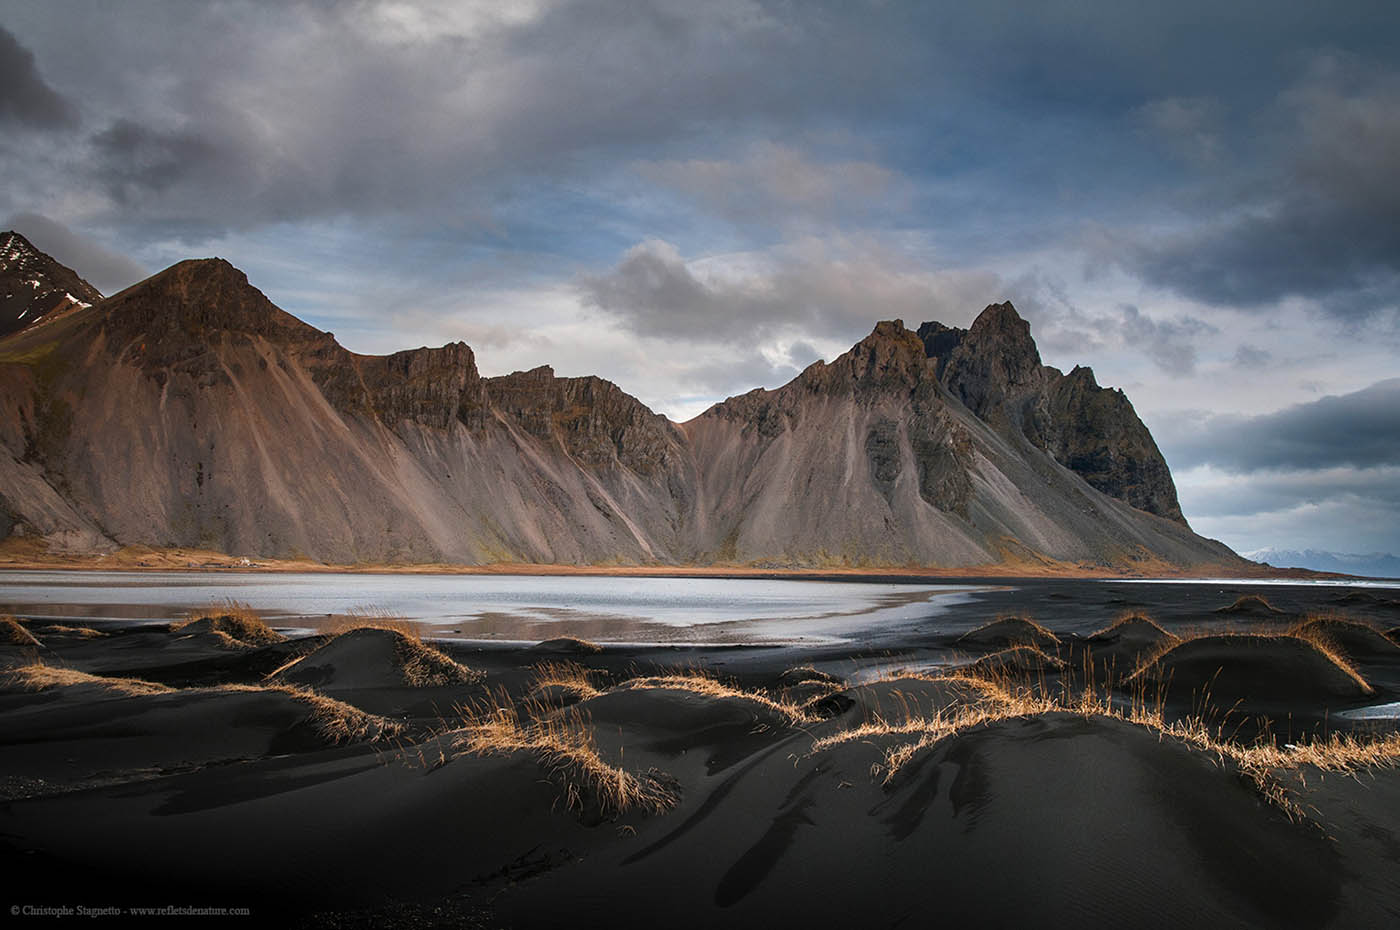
647,609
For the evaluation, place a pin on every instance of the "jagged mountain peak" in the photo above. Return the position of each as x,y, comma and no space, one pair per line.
35,287
197,299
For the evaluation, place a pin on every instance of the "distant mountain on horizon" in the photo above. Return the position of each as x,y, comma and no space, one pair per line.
189,411
1371,564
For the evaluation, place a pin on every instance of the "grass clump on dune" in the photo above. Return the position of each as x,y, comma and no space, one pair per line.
1344,635
375,657
232,621
40,677
567,678
564,747
1249,604
699,681
1007,698
334,722
372,618
14,633
568,645
1010,631
1137,627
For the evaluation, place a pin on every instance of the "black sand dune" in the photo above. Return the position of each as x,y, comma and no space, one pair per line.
374,658
698,787
1357,641
1251,605
1223,671
1010,631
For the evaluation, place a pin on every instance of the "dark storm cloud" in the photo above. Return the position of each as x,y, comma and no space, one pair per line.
1358,430
1323,222
136,161
26,98
104,269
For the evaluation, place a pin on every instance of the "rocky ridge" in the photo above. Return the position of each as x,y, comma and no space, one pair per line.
189,410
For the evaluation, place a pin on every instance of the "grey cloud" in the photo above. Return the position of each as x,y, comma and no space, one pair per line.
1189,126
1323,223
1062,326
772,180
1253,357
815,291
105,269
1360,430
1169,343
1274,491
28,100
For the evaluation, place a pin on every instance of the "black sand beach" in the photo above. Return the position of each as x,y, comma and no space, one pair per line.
1053,753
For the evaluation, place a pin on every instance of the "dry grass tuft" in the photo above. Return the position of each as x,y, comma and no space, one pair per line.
563,746
335,722
1249,603
568,677
237,621
59,629
701,682
568,645
1149,663
1017,659
1011,630
14,633
1137,624
372,618
39,677
1007,698
426,667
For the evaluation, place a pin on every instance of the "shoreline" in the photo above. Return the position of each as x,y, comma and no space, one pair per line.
140,559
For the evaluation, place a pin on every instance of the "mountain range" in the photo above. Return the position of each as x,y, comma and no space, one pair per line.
1373,564
189,411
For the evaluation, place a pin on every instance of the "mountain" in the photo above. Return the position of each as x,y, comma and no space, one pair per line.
190,411
34,287
1372,564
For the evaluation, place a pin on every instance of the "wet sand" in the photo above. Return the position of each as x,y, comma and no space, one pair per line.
324,782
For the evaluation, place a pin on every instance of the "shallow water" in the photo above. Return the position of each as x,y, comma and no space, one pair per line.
496,607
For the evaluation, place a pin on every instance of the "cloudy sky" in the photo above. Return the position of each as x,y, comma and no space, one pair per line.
1198,199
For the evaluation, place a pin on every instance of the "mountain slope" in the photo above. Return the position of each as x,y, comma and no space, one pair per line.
188,410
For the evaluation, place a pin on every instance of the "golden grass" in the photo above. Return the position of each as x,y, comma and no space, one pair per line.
699,681
1007,699
1314,639
571,645
335,722
237,621
59,629
14,633
569,677
426,667
1249,602
563,745
1134,618
1033,632
1014,658
372,618
421,665
40,677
